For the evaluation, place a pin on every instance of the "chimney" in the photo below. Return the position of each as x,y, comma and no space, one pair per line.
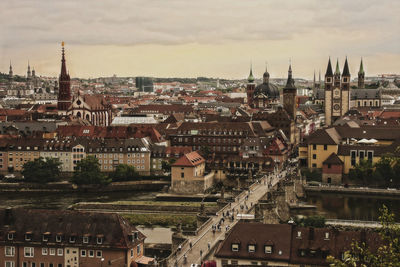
8,217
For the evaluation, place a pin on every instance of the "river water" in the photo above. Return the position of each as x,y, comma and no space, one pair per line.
349,207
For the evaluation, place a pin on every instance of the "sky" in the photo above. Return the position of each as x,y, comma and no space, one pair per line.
188,38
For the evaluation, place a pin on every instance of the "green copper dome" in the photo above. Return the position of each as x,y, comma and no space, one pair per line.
251,77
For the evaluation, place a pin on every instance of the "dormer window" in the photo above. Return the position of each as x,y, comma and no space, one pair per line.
28,236
10,236
58,238
235,247
268,249
86,239
72,239
327,236
99,240
251,248
45,237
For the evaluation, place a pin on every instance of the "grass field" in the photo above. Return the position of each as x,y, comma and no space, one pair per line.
161,219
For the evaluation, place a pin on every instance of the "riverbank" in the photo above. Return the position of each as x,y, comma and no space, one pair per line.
65,187
353,190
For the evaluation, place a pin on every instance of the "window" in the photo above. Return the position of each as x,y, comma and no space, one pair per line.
99,240
41,264
59,265
325,147
370,155
131,252
268,249
9,251
58,238
314,156
59,252
182,175
10,264
314,147
28,252
10,236
353,155
51,265
361,154
299,235
138,249
326,235
99,253
52,251
314,165
235,247
85,239
251,248
72,239
234,262
83,253
44,251
91,253
33,264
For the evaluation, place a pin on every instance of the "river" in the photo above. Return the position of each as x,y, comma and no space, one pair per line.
348,207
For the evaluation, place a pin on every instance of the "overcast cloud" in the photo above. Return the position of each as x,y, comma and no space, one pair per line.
364,27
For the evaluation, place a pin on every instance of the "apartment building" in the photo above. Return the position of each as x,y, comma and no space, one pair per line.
65,238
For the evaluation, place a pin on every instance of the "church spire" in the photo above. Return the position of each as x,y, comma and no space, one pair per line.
346,71
329,72
63,65
337,72
361,71
10,72
28,73
290,81
251,77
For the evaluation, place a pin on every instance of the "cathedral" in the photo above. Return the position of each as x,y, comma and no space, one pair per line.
263,95
338,98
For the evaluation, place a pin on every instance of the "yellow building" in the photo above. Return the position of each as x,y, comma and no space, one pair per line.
188,174
351,143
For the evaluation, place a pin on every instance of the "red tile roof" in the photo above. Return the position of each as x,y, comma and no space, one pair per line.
191,159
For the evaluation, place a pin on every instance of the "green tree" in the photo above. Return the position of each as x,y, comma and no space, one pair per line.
387,254
311,221
166,165
42,170
88,172
362,172
124,172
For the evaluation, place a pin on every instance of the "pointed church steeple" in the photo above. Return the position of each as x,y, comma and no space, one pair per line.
64,92
10,72
28,73
337,71
361,71
329,72
346,71
290,81
361,76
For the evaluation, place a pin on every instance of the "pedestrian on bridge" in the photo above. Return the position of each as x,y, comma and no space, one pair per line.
209,245
190,244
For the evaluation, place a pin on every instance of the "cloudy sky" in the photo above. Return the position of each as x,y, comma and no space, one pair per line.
187,38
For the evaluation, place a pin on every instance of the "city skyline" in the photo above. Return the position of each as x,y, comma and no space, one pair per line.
191,39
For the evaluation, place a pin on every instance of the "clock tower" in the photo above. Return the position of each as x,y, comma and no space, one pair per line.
289,95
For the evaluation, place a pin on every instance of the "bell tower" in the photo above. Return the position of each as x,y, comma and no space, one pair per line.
64,92
289,95
251,86
328,93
